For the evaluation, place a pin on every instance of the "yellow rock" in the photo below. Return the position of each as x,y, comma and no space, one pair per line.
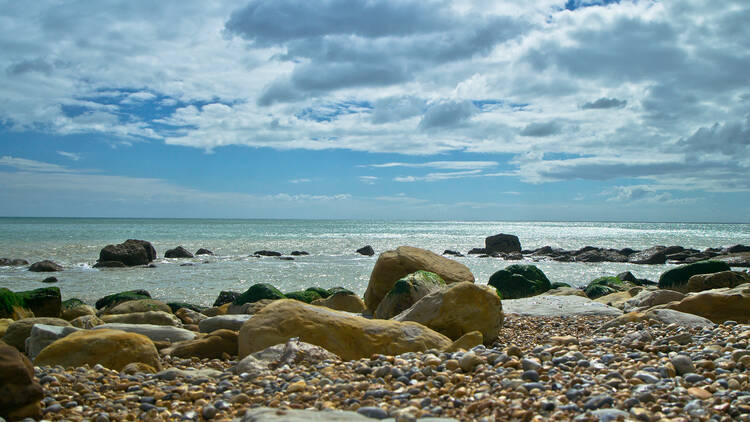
701,282
699,393
78,311
211,346
113,349
565,291
459,309
348,336
86,321
618,299
142,305
718,305
4,323
466,342
391,266
151,317
342,301
18,331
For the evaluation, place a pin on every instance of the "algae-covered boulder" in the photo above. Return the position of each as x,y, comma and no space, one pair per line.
343,301
117,298
257,292
323,293
17,332
604,286
74,308
112,349
677,277
11,306
559,284
131,252
306,296
44,302
502,243
349,336
407,291
700,282
391,266
519,281
140,305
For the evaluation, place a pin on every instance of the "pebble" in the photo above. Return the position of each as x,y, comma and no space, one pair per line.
373,412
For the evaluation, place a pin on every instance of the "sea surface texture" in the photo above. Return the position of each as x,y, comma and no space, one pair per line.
75,244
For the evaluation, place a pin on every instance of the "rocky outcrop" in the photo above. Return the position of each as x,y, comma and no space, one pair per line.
391,266
676,278
178,252
717,305
342,301
407,291
348,336
518,281
366,251
212,346
150,317
701,282
45,266
43,302
117,298
131,252
502,243
157,333
20,330
650,256
307,296
20,393
112,349
457,310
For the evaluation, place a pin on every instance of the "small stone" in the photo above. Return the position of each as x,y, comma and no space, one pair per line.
296,387
208,412
530,375
699,393
451,364
646,377
373,412
469,361
693,378
530,364
240,398
514,351
100,417
682,364
598,401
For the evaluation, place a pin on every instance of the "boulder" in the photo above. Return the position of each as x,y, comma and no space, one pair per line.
267,253
223,322
7,262
518,281
178,252
203,251
157,333
19,331
650,256
604,286
87,322
677,277
741,259
132,252
718,305
4,323
150,317
601,255
50,280
649,298
407,291
502,243
619,299
342,301
112,349
213,346
43,335
663,316
457,310
292,353
270,414
299,253
139,305
701,282
348,336
117,298
257,292
366,250
189,316
20,393
391,266
44,302
556,306
45,266
306,296
565,291
226,297
74,308
12,306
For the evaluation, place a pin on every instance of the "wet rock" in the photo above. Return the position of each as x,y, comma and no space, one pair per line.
45,266
203,251
676,278
131,253
366,250
502,243
650,256
212,346
519,281
178,252
21,393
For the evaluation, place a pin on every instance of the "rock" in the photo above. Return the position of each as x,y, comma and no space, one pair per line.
366,250
246,308
212,346
223,322
226,297
72,310
466,342
112,349
203,251
407,291
601,255
307,296
178,252
257,292
267,253
45,266
291,353
157,333
477,251
4,323
627,276
649,298
603,286
682,364
452,253
19,331
518,281
117,298
391,266
650,256
457,310
677,277
343,301
701,282
299,253
558,306
138,368
565,291
132,252
268,414
43,335
50,280
351,337
189,316
176,306
718,305
87,322
7,262
502,243
741,259
619,299
12,306
150,317
20,393
175,373
109,264
664,316
44,302
137,306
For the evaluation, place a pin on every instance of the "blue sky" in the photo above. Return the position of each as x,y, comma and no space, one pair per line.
472,109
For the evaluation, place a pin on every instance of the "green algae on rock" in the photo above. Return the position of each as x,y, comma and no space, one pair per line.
679,276
258,292
519,281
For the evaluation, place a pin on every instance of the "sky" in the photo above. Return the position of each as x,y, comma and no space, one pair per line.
551,110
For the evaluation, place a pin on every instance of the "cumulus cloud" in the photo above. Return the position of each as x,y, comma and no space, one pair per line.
541,129
447,113
604,103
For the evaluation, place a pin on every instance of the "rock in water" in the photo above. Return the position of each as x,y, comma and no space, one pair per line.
21,393
258,292
112,349
502,243
178,252
519,281
131,252
459,309
391,266
366,250
45,266
677,277
203,251
150,317
407,291
650,256
348,336
343,301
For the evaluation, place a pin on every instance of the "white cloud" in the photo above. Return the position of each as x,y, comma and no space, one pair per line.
370,180
24,164
72,155
434,177
442,165
296,181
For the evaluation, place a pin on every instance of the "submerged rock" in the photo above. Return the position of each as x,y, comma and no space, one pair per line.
131,252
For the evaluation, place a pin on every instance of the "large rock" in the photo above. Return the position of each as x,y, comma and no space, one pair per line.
19,331
351,337
718,305
44,302
151,317
226,297
189,316
604,286
391,266
112,300
619,299
157,333
140,305
20,393
87,322
457,310
366,251
663,316
11,306
677,277
45,266
178,252
701,282
223,322
555,306
649,298
258,292
43,335
343,301
407,291
112,349
650,256
518,281
132,252
212,346
502,243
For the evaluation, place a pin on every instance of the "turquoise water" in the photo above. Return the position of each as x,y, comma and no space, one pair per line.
75,244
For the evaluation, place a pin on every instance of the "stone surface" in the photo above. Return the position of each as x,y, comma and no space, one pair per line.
74,312
466,341
226,322
267,414
558,306
131,252
4,323
604,286
178,252
457,310
291,353
649,298
664,316
157,333
112,300
502,243
110,348
391,266
87,321
151,317
366,251
189,316
226,296
203,251
342,301
677,277
701,282
139,305
718,305
619,299
351,337
407,291
43,302
212,346
43,335
519,281
45,266
565,291
20,330
258,292
20,393
650,256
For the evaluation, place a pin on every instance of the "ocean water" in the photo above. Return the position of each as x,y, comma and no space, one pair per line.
75,244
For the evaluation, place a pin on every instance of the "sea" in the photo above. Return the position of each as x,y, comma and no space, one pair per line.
75,243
